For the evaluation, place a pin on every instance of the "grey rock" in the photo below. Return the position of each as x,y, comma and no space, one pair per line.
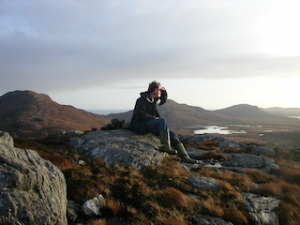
261,209
74,132
204,183
222,142
195,153
92,207
263,150
71,215
208,220
61,132
73,205
251,161
73,208
6,139
121,147
32,190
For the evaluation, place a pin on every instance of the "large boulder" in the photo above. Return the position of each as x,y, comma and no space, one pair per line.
121,147
32,190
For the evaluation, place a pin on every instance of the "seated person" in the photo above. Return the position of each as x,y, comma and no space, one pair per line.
146,119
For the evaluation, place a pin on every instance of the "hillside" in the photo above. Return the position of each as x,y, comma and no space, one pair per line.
243,111
29,114
283,111
182,115
251,113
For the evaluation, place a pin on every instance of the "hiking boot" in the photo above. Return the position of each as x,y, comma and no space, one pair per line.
183,154
165,141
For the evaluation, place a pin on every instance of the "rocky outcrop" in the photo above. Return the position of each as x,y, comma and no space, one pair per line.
121,147
261,209
264,150
250,161
204,183
32,190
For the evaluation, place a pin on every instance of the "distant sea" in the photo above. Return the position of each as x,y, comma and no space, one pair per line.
107,111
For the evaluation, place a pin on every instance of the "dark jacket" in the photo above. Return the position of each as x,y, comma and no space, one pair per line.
145,110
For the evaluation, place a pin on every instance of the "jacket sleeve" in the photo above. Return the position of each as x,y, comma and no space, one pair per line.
163,97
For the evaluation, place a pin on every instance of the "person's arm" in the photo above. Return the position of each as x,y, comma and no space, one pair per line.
163,96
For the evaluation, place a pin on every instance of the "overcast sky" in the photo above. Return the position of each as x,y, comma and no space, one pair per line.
100,54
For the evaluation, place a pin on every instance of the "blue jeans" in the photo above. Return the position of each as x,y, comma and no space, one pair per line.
156,125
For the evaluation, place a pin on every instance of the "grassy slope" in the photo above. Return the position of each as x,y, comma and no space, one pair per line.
156,194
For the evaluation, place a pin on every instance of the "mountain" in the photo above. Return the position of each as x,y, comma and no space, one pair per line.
180,116
249,112
283,111
29,114
243,111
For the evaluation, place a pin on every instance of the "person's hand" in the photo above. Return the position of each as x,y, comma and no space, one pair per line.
157,118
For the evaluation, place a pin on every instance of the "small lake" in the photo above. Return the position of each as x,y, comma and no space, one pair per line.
297,117
217,130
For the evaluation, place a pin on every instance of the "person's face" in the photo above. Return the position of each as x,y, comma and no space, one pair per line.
157,92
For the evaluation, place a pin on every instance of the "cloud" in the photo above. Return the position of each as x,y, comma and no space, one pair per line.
63,44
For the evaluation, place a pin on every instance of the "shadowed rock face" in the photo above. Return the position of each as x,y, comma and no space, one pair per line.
121,147
32,190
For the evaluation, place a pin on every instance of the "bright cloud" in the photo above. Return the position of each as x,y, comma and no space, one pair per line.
70,48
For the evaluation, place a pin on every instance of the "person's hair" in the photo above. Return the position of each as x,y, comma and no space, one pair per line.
152,86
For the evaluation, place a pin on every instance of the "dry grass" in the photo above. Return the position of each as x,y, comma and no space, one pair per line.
214,155
282,190
60,161
288,214
231,150
211,206
260,177
98,222
172,197
172,221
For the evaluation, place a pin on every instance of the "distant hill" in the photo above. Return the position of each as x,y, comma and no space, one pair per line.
181,115
29,114
243,111
283,111
253,115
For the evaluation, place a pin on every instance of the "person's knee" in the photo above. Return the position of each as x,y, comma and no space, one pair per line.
162,124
